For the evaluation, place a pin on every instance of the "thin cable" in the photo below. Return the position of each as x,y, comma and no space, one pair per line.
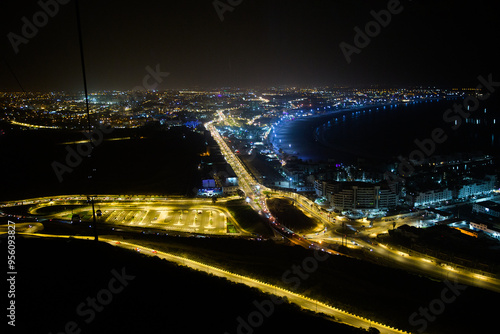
82,59
13,74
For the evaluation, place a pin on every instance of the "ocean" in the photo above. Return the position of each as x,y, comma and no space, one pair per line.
381,133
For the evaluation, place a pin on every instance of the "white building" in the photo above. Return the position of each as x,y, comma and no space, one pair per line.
487,207
474,188
432,196
495,233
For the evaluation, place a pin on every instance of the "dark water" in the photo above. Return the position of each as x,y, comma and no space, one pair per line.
382,133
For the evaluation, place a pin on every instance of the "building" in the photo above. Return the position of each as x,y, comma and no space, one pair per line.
230,190
356,195
230,186
486,228
464,189
431,197
208,183
219,185
323,188
487,207
477,187
387,199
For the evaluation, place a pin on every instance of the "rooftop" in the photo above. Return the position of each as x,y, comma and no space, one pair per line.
490,205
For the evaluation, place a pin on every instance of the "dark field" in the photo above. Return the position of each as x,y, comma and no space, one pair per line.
380,293
143,161
56,276
291,216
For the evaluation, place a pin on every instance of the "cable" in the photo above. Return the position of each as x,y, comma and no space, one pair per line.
13,74
82,59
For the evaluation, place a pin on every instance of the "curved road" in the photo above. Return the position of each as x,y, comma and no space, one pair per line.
302,301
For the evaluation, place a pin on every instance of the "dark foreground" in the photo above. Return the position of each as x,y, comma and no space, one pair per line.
77,286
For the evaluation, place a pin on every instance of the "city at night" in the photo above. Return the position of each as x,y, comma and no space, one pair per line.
250,167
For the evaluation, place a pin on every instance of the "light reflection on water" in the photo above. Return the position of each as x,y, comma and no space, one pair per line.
380,133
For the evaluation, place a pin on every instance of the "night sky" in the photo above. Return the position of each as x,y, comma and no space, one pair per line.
259,43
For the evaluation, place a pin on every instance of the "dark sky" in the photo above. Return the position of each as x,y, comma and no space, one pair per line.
259,43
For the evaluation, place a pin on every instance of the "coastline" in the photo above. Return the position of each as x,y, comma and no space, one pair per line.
314,140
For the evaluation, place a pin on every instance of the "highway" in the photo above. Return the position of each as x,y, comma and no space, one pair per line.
151,212
432,268
66,199
300,300
421,265
201,216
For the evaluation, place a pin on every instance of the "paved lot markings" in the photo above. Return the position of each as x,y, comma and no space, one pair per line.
148,218
119,219
139,217
179,217
129,216
164,218
192,217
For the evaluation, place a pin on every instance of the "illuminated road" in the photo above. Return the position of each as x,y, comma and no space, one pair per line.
142,211
411,263
302,301
34,126
432,268
113,199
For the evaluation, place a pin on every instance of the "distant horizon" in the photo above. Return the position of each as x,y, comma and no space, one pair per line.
250,88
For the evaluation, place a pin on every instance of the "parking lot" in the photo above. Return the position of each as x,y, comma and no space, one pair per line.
187,219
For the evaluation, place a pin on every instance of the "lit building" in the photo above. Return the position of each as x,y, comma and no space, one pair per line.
486,228
474,188
487,207
356,195
431,197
